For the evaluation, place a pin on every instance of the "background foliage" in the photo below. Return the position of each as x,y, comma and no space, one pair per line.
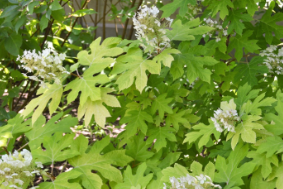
160,103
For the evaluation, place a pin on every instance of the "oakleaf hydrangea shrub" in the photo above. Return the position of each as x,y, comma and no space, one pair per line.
201,85
18,170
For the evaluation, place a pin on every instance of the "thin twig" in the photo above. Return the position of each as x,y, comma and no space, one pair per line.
67,36
50,23
5,149
103,26
65,3
21,94
64,166
95,18
127,22
78,73
108,11
22,146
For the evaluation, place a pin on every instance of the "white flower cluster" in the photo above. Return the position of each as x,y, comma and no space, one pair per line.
194,10
190,182
273,59
17,169
46,66
150,31
279,2
218,27
225,119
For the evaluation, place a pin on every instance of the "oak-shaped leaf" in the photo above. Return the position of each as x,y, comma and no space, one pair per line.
61,181
136,120
86,85
195,66
133,67
245,129
170,8
137,148
96,58
40,128
264,162
96,108
229,171
239,42
186,32
182,117
236,17
220,7
258,183
276,128
57,148
202,133
166,56
133,180
96,160
247,72
161,104
268,26
160,134
16,125
277,173
253,7
272,145
53,92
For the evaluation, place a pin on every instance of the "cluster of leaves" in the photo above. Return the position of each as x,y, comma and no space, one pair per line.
163,104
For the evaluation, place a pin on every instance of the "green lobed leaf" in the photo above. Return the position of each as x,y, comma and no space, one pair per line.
247,72
195,66
137,148
268,26
136,121
203,134
186,32
160,134
170,8
38,131
264,162
180,118
53,92
245,129
165,56
236,17
161,104
61,181
229,171
239,42
55,148
258,183
271,146
220,7
16,125
139,178
87,86
133,68
96,108
93,160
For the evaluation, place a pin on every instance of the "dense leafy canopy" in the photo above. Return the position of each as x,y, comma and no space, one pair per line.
206,103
